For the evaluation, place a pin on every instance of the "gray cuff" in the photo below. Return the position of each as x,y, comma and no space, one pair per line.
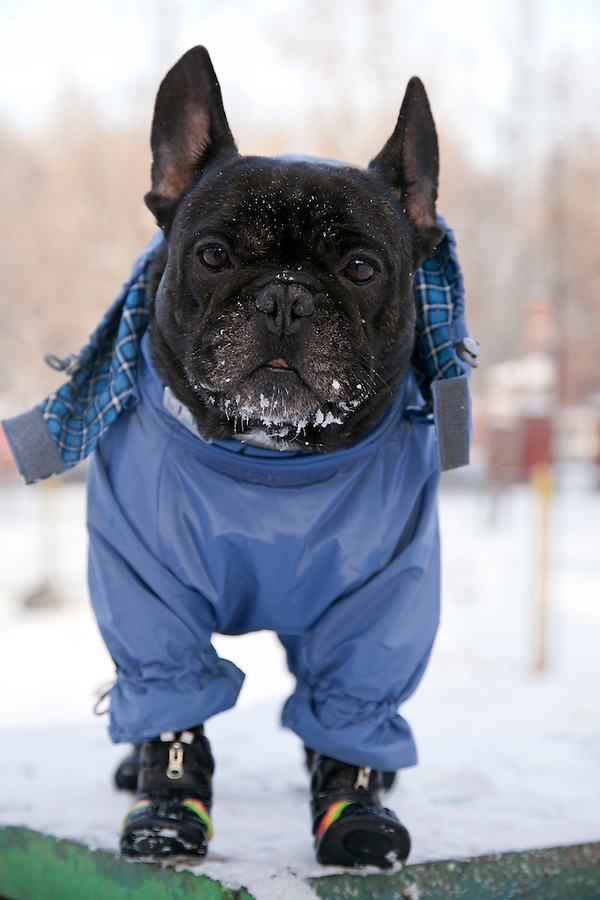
452,421
32,446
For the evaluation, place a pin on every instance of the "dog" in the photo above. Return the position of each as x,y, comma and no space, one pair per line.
292,278
274,468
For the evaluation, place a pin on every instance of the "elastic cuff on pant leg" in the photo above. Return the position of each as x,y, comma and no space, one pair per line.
140,710
353,731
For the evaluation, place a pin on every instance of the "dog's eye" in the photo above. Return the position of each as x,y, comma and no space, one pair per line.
214,258
360,271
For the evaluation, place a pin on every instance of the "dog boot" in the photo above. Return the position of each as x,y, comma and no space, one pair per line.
126,774
171,817
350,825
387,778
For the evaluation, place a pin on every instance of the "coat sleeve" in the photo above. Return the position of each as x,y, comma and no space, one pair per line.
64,428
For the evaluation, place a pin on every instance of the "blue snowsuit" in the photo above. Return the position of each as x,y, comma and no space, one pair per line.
338,554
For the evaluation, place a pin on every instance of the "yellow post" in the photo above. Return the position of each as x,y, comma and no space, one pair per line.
542,484
45,593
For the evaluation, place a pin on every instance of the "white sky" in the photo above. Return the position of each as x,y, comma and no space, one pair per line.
477,56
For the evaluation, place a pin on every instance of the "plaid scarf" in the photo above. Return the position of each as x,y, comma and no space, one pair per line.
103,375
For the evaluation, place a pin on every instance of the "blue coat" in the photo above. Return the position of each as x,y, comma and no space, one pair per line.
338,554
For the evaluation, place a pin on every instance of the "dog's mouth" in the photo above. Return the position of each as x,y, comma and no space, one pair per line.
279,363
281,375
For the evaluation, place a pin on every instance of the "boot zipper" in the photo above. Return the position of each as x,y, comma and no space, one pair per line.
362,777
175,767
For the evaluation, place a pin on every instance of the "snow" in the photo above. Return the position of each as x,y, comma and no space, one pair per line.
509,757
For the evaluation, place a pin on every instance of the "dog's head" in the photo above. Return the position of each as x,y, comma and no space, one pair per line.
285,311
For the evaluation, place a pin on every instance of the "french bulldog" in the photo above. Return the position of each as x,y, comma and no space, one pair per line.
285,313
282,317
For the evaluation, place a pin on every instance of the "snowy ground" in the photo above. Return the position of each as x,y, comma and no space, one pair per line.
510,759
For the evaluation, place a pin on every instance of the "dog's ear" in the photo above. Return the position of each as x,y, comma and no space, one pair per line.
410,162
189,130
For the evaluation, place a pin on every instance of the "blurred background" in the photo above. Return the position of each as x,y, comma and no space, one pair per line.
515,92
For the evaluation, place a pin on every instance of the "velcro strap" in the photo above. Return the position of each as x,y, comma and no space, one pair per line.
451,416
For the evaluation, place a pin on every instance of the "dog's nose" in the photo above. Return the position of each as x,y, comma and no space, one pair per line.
284,305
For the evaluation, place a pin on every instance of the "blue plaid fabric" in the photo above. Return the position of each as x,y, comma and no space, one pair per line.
103,380
104,375
439,299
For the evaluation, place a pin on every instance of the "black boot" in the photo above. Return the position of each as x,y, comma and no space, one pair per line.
171,817
350,825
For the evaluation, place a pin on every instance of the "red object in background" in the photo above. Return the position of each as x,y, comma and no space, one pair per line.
537,437
504,451
516,447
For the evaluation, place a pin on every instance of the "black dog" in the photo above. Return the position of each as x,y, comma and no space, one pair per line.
283,320
286,307
264,459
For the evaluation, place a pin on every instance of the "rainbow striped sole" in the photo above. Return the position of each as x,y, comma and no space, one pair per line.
140,804
356,835
199,808
333,813
190,803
